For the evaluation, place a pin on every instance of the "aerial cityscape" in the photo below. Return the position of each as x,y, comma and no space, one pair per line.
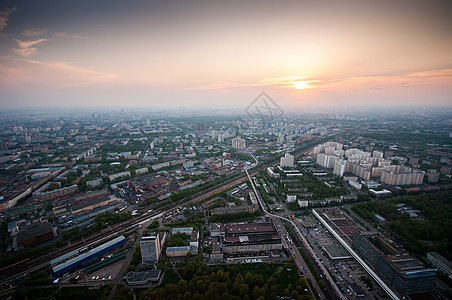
226,150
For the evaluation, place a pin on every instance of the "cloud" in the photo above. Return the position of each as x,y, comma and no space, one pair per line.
381,82
26,52
27,44
378,82
287,81
53,74
25,47
69,35
4,18
34,32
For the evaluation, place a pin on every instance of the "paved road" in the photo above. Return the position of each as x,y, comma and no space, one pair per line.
301,236
299,261
126,263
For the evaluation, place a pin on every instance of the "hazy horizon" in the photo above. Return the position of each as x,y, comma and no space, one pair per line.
222,55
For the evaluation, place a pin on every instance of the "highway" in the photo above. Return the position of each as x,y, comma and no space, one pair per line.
301,236
327,275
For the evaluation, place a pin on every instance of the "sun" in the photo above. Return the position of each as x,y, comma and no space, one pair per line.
301,85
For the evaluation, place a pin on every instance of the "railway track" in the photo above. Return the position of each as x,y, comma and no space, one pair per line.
107,233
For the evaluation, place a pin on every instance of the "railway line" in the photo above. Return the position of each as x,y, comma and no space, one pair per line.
28,266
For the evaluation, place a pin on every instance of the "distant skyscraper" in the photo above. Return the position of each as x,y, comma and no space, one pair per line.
238,143
200,126
24,139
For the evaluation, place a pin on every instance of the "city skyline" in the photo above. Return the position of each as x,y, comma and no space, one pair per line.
205,54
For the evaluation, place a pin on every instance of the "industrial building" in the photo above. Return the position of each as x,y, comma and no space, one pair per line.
42,195
234,209
249,238
81,211
402,271
34,233
153,185
87,256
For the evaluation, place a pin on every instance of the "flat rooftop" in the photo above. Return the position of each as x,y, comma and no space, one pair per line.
231,229
140,278
337,252
33,230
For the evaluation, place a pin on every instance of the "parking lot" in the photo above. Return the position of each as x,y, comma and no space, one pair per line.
349,276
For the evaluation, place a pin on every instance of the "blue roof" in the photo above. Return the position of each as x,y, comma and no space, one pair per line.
183,229
381,218
73,262
186,248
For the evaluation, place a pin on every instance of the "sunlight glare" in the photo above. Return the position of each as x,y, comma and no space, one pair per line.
301,85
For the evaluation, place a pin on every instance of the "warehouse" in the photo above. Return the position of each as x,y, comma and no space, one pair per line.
93,253
250,238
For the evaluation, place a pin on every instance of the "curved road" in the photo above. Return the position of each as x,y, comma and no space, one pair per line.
327,275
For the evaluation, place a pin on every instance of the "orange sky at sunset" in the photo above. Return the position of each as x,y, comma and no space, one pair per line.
222,54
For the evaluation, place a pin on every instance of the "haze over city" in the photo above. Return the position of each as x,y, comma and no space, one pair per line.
222,54
203,150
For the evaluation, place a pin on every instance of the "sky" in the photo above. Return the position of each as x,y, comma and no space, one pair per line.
223,54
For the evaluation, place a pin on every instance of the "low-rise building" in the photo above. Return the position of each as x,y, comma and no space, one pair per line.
249,238
143,277
119,175
42,195
34,233
234,209
177,251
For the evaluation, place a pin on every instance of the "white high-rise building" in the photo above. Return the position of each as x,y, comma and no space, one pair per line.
326,161
378,154
339,167
287,161
238,143
330,150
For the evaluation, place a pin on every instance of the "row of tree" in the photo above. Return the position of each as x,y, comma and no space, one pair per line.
206,282
431,231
